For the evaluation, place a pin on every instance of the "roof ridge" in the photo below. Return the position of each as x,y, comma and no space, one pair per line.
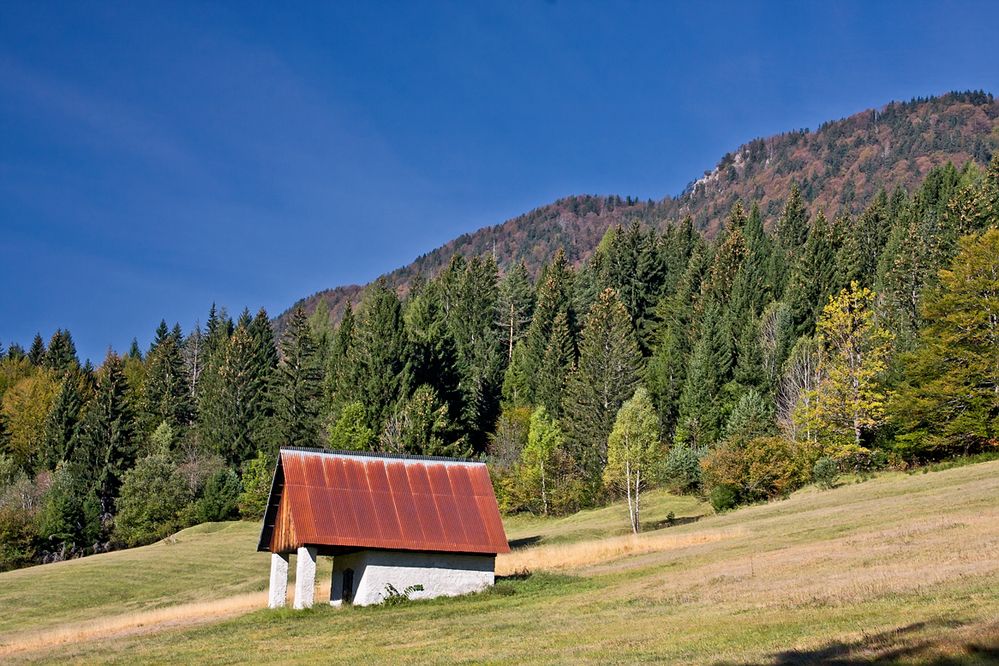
378,454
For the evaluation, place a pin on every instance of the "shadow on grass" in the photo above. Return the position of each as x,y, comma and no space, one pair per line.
902,644
669,522
524,542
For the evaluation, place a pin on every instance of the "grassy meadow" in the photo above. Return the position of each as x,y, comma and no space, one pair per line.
897,569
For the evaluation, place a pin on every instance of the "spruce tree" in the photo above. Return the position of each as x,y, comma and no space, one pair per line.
609,369
107,443
431,353
792,228
863,243
237,416
813,279
667,371
701,408
556,366
515,306
555,290
61,353
380,353
470,297
63,422
299,384
166,391
36,353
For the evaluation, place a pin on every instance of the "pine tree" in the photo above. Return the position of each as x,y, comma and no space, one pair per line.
792,228
556,366
515,306
36,353
667,370
609,369
299,384
236,411
166,391
380,353
813,278
61,353
63,422
470,293
107,444
554,296
701,408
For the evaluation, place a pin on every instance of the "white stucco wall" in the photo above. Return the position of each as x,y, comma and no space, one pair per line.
440,574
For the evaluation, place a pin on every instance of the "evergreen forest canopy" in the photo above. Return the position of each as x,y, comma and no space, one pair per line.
780,351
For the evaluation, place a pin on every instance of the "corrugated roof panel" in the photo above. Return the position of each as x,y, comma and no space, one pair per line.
471,522
354,471
439,484
447,509
398,479
356,500
482,486
386,517
419,483
409,520
430,521
338,477
377,478
461,486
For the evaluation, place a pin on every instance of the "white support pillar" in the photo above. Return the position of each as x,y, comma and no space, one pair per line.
279,581
305,577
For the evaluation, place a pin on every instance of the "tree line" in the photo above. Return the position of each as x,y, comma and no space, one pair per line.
739,367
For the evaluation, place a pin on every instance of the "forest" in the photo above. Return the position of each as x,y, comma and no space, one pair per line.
739,367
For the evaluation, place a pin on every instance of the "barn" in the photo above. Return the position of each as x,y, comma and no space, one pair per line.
426,526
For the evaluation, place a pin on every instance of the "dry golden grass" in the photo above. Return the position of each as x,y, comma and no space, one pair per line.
564,557
118,626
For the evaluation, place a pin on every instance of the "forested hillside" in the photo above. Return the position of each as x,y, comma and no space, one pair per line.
783,348
840,166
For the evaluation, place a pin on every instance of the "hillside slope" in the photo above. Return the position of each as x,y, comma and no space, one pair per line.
900,568
840,166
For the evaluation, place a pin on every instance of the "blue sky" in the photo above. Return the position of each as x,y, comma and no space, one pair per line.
155,158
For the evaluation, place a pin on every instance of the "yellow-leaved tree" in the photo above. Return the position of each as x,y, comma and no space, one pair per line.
632,449
25,408
850,398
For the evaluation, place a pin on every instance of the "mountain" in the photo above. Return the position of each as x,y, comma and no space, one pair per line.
839,167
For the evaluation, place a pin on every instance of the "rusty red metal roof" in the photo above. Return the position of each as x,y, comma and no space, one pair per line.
351,500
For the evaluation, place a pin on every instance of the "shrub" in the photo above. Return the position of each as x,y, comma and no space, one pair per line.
824,472
153,495
681,470
757,469
723,497
219,499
